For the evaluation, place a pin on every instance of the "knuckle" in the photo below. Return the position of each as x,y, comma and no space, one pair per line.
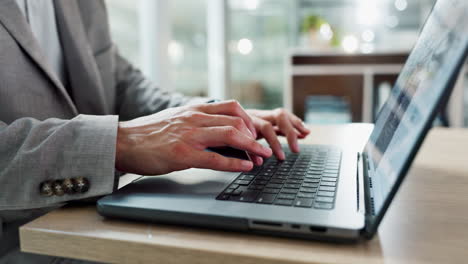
231,133
234,105
192,115
282,113
189,132
231,164
179,149
238,122
290,135
214,160
266,126
187,115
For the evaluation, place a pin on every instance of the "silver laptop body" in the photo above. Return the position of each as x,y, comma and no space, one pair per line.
367,180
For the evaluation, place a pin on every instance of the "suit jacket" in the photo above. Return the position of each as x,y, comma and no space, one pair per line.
48,132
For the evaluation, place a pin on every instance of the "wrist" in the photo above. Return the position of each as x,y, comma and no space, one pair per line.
121,146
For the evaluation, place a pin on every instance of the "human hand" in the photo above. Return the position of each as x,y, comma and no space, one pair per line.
176,139
271,123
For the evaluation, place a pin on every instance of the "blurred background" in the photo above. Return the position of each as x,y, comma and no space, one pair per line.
271,53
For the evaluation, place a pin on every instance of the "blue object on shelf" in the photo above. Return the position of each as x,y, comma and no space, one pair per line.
326,109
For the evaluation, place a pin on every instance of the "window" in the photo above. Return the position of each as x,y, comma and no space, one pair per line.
260,34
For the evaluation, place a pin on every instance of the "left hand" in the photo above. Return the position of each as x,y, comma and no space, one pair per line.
271,123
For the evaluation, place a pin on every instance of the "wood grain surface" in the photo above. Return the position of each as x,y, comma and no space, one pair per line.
427,223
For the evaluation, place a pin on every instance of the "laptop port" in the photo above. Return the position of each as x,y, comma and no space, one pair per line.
294,226
317,229
265,223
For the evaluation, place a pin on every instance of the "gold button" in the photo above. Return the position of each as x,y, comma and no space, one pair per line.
45,189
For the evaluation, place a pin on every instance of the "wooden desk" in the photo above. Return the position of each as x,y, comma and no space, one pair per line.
427,223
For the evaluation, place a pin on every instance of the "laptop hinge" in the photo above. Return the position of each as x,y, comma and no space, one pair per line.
361,208
368,192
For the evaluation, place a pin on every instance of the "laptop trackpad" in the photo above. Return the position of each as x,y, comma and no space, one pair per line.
192,182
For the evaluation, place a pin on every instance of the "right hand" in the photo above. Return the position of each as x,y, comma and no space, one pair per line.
176,139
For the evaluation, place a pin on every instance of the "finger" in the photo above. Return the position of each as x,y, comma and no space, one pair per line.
231,108
257,160
230,136
279,133
298,124
214,161
206,120
267,131
287,129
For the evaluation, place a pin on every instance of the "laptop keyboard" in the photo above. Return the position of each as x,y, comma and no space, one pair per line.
306,179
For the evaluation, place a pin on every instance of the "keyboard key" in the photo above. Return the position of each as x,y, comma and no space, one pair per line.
246,177
266,198
324,199
327,188
293,181
284,202
281,177
236,192
288,185
306,195
326,183
286,196
248,196
255,169
234,186
307,180
329,179
315,167
274,185
229,191
330,175
303,202
323,205
223,197
296,177
288,190
242,182
311,185
260,182
279,181
308,190
271,190
299,171
323,193
297,174
256,187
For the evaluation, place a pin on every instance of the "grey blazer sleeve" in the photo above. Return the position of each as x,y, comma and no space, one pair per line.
33,151
137,96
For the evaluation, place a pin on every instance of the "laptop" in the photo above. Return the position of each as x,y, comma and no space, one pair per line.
324,192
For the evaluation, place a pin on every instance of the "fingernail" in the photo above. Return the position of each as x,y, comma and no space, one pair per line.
267,150
246,165
295,147
282,156
260,161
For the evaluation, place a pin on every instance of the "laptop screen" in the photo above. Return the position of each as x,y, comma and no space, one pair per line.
427,76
